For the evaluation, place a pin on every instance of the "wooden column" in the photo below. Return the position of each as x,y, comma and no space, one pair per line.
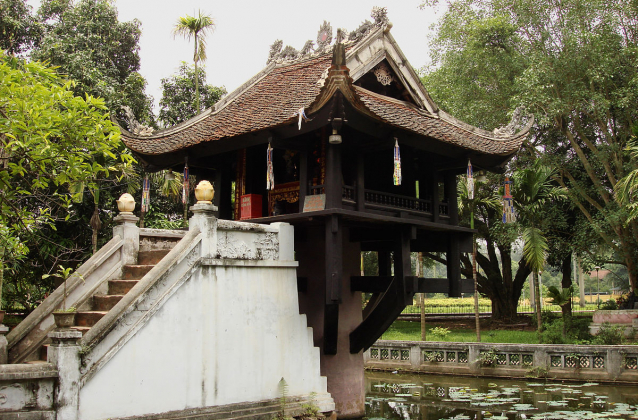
452,199
333,184
334,274
435,197
454,266
303,178
361,183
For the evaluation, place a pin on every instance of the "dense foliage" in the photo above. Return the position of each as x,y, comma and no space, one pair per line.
572,65
50,139
100,53
178,95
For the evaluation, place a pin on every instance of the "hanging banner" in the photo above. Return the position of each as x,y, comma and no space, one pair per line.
270,174
397,163
185,186
509,214
470,180
146,194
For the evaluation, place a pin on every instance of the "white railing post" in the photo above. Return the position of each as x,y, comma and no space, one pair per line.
64,354
126,228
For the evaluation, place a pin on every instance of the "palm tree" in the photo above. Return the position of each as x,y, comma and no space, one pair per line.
197,28
533,191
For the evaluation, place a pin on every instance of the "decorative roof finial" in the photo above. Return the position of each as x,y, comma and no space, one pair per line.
275,49
324,36
380,16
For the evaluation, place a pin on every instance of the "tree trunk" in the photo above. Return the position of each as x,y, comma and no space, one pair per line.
537,303
566,282
581,282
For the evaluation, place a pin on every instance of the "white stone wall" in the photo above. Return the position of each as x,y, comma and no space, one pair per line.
227,335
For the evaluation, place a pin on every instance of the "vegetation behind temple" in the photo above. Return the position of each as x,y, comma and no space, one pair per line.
571,64
497,55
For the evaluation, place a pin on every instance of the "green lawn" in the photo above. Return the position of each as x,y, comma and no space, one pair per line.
411,331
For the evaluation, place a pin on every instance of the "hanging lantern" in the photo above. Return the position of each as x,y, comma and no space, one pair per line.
397,163
146,194
270,172
470,180
509,214
185,186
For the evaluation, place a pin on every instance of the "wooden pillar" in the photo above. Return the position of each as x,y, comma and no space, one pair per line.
360,183
454,266
223,194
452,199
435,197
334,274
334,182
303,178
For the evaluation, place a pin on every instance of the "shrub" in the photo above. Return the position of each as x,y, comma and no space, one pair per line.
609,305
439,332
609,334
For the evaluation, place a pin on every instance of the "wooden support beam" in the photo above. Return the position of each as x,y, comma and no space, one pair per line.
334,274
303,178
360,182
454,266
399,293
451,195
333,183
330,328
370,284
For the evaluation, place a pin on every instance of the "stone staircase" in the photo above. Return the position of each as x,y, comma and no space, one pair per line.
100,304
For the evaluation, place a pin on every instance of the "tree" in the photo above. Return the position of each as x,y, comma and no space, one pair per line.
577,75
49,139
178,95
20,30
100,53
197,28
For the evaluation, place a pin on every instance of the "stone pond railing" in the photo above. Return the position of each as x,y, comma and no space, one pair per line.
599,363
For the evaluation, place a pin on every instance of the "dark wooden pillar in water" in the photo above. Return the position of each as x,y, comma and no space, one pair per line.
334,274
343,369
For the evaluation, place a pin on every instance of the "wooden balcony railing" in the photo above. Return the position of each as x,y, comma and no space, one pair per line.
382,200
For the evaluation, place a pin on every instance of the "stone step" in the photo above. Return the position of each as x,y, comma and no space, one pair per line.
35,362
88,318
105,302
151,257
83,330
136,272
121,287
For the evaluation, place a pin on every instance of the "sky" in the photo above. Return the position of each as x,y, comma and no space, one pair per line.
245,29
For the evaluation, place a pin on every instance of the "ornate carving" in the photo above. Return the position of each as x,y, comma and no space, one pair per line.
361,31
324,76
308,47
324,36
231,247
380,16
288,53
275,49
342,36
517,122
135,126
267,246
383,73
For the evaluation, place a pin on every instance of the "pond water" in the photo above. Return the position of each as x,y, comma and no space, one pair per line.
435,397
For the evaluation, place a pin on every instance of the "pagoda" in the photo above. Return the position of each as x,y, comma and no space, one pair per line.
342,141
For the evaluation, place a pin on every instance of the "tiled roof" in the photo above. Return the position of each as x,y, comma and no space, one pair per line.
275,97
271,101
406,116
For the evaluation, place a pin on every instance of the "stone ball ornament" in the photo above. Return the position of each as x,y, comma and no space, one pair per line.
204,192
126,203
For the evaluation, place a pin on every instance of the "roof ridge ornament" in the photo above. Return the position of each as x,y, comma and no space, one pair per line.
324,38
135,126
517,123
